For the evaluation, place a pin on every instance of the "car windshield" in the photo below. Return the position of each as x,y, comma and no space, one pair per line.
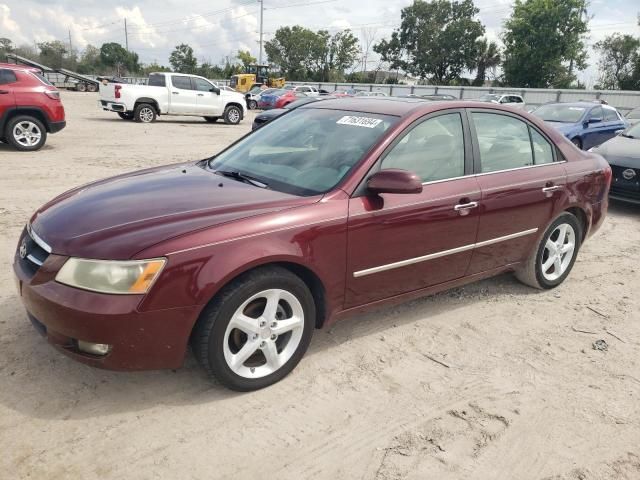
305,152
633,131
634,114
560,113
490,98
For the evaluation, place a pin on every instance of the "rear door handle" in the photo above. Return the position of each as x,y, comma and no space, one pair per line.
201,94
176,93
465,208
4,92
552,189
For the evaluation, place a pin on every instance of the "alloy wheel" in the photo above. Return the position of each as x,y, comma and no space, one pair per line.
146,115
558,252
27,133
264,333
234,115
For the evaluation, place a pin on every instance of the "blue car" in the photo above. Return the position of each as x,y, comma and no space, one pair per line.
586,124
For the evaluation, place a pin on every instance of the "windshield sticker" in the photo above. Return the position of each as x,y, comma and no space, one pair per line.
359,121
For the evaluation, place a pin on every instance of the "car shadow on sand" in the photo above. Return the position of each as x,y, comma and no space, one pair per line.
161,120
38,381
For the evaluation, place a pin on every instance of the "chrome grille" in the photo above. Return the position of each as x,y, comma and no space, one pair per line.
32,250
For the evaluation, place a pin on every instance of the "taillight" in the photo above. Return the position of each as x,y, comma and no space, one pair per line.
118,88
53,94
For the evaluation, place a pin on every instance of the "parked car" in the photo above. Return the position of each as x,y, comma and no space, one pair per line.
584,123
255,94
376,93
434,97
506,99
623,154
633,116
278,98
307,90
268,115
336,207
173,94
30,107
345,92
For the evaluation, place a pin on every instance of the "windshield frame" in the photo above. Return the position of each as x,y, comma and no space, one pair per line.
292,189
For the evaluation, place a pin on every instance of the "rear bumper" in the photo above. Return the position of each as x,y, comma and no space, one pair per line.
55,127
112,106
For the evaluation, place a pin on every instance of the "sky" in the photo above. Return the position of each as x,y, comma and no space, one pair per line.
220,28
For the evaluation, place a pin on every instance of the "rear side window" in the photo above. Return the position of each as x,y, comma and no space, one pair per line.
610,115
595,114
7,76
504,142
181,82
157,81
542,149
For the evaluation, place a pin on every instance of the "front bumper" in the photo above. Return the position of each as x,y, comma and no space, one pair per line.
622,188
140,340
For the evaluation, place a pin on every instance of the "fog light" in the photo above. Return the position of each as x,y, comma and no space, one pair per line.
94,348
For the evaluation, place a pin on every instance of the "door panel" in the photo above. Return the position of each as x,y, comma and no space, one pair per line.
7,86
183,100
390,228
209,103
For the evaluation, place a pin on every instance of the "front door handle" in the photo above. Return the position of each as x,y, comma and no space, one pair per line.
201,94
4,92
548,191
176,93
464,208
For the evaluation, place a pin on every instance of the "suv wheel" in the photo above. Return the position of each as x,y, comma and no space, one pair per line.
26,133
232,115
144,113
256,330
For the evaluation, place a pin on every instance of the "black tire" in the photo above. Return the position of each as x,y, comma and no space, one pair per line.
144,113
211,119
81,87
92,87
126,115
577,142
252,105
531,272
232,115
207,339
34,125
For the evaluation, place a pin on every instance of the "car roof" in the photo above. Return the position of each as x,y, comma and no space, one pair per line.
24,68
577,104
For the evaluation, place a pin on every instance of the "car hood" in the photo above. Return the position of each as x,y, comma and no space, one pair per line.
120,216
622,151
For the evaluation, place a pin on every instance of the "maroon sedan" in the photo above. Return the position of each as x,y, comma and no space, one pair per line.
332,208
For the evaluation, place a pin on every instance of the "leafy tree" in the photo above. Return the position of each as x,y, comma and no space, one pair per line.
342,52
117,57
52,54
90,60
153,67
246,59
290,51
544,42
182,59
208,70
6,46
487,58
619,55
436,40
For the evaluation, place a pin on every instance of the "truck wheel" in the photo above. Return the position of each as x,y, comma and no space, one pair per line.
144,113
25,133
232,115
92,88
81,87
126,115
252,105
211,119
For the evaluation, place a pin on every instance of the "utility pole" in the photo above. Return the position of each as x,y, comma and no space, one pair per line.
126,35
261,18
70,45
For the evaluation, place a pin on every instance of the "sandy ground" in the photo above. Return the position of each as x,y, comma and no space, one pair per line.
523,394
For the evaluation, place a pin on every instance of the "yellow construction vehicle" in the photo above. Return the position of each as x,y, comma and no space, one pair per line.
255,75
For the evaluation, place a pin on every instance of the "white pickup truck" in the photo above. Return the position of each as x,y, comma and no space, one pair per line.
172,94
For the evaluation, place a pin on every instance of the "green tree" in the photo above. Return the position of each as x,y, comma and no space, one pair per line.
6,46
342,52
52,54
245,58
89,61
182,59
115,56
436,40
619,55
487,58
209,70
544,43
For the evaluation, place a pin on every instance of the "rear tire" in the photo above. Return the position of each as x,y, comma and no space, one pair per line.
81,87
256,330
211,119
232,115
92,88
144,113
552,260
25,133
126,115
252,105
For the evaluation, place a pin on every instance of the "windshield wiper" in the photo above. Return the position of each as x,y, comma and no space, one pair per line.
243,177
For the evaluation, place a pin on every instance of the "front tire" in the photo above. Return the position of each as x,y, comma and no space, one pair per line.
252,105
256,329
553,259
232,115
144,113
25,133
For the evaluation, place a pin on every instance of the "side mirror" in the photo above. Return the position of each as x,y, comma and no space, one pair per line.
394,180
215,90
594,120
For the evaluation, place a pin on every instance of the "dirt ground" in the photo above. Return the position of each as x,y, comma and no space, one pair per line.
491,381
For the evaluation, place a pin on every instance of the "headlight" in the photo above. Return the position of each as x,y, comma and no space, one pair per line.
106,276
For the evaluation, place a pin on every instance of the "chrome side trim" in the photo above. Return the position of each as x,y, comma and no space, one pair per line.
41,243
33,259
444,253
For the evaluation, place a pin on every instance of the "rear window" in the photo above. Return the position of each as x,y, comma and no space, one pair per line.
42,78
157,81
7,76
184,83
610,115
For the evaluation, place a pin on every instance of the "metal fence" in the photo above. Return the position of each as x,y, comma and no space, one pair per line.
622,100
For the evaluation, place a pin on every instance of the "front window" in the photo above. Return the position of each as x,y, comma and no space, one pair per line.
202,85
305,152
490,98
560,113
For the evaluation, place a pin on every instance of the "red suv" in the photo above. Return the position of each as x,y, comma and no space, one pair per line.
30,107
